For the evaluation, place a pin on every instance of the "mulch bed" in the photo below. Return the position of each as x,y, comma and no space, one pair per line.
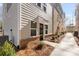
44,50
58,40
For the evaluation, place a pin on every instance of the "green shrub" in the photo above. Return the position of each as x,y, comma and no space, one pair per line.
41,43
7,49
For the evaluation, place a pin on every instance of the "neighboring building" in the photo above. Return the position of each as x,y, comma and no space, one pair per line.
25,20
58,19
70,28
77,18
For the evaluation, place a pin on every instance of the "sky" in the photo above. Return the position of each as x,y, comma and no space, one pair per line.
69,9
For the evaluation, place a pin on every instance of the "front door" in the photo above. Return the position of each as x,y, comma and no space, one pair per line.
41,31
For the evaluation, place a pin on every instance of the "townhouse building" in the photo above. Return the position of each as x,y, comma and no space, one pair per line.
27,20
70,28
30,20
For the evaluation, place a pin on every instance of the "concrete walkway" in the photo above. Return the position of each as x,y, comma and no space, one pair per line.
51,43
67,47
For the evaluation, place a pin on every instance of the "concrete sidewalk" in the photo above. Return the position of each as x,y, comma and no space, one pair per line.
67,47
51,43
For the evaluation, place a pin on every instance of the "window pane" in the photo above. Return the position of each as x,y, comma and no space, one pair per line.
33,32
44,8
46,26
39,4
33,24
46,31
45,4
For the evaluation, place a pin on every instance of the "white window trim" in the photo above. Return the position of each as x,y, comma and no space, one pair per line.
33,28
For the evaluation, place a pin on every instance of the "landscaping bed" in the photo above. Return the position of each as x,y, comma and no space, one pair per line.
40,50
57,38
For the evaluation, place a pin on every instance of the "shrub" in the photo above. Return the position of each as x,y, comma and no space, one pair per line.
42,43
7,49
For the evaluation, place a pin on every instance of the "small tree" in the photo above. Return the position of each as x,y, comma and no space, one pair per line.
7,49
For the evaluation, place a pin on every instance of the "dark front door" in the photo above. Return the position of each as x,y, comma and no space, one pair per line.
41,31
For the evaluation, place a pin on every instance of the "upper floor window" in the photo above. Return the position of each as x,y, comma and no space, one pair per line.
8,6
39,4
44,7
45,4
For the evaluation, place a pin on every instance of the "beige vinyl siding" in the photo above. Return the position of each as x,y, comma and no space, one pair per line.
30,11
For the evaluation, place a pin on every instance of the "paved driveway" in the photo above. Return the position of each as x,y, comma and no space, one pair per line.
67,47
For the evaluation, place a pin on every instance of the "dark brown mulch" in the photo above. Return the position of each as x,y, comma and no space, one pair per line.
44,51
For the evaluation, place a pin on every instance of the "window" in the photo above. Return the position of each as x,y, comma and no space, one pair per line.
39,4
44,7
33,24
33,28
33,32
8,6
45,4
46,29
